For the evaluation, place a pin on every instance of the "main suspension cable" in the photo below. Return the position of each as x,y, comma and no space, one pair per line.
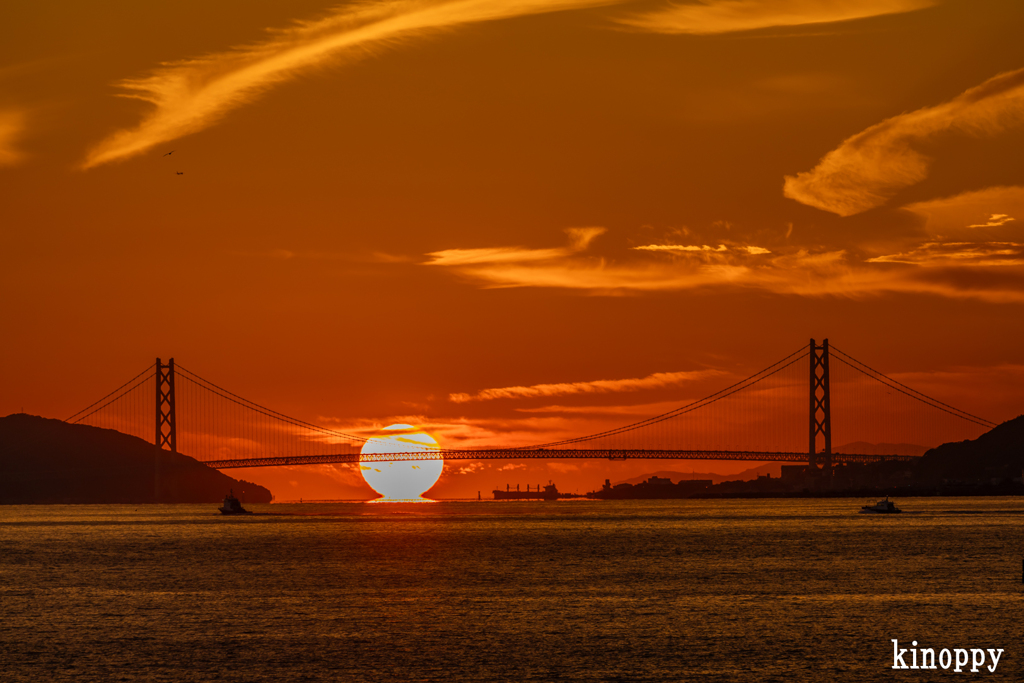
251,405
707,400
148,368
911,392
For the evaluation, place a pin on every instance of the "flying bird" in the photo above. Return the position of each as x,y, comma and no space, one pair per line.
170,153
180,172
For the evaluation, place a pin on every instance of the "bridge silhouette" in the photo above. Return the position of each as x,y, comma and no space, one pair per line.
784,413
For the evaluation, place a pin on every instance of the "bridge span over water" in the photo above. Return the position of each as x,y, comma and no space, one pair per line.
544,454
818,406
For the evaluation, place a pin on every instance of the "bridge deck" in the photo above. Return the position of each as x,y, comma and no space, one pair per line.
547,454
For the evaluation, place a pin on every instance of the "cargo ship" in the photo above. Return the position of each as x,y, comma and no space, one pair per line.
550,492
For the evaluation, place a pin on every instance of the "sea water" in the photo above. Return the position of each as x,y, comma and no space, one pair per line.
745,590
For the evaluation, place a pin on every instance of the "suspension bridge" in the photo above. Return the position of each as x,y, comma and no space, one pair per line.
782,413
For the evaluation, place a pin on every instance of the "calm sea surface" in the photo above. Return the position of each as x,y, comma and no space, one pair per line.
792,590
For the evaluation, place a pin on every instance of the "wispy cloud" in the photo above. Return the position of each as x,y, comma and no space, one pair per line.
802,272
570,267
994,221
726,16
191,95
681,247
867,169
12,127
959,254
463,432
579,240
618,410
601,386
992,207
675,267
703,248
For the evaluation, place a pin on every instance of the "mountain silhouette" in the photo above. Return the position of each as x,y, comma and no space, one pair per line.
50,461
996,454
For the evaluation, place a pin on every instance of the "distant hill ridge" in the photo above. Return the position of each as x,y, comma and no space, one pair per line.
50,461
998,453
774,469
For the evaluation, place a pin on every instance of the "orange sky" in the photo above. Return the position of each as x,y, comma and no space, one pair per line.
388,210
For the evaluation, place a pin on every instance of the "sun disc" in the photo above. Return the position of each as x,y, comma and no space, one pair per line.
403,480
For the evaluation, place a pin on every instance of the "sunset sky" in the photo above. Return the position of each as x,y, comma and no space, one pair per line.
507,221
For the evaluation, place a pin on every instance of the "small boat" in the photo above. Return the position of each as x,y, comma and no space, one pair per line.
231,506
881,507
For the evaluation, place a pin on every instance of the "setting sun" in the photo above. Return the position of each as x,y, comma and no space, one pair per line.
405,480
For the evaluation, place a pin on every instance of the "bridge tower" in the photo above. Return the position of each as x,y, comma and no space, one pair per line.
821,408
166,428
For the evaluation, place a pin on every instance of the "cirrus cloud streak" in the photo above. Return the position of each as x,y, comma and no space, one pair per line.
959,254
991,207
191,95
867,169
727,16
988,271
579,240
601,386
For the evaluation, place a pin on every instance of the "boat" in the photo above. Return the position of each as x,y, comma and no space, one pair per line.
231,506
881,507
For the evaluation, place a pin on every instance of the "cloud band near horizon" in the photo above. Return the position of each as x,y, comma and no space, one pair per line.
987,267
653,381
